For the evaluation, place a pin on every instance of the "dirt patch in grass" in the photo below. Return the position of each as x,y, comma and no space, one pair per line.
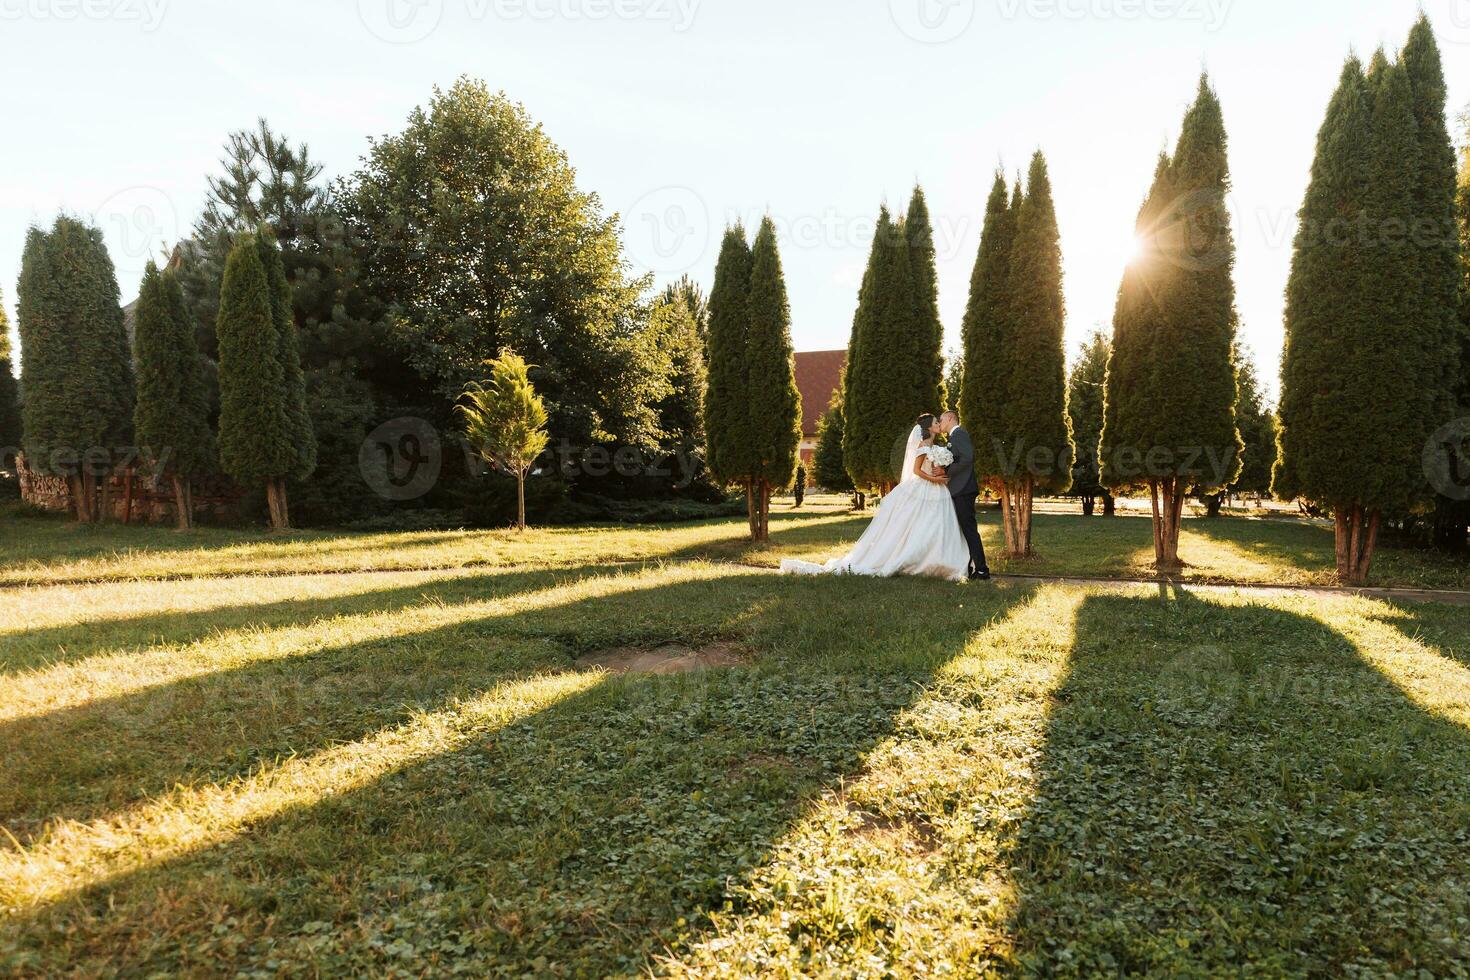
673,658
909,833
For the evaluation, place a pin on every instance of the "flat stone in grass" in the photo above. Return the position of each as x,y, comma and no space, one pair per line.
673,658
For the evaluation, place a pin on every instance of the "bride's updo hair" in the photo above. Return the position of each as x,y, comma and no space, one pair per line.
926,425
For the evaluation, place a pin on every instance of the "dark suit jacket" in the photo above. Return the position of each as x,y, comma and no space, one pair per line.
962,470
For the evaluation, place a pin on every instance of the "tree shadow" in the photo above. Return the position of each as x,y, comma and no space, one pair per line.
1235,789
581,839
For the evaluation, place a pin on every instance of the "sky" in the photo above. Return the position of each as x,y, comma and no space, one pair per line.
683,115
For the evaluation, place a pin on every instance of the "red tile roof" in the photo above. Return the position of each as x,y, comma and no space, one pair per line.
818,376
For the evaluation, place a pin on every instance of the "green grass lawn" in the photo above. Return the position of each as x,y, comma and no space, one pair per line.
1243,550
406,769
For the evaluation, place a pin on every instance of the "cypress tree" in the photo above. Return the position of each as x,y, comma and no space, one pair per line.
984,380
76,372
727,438
1176,421
301,439
10,427
924,355
772,400
894,369
1035,443
255,427
1085,407
1257,430
170,420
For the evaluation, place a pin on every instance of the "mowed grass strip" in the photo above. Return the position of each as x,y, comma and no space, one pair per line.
408,773
1231,550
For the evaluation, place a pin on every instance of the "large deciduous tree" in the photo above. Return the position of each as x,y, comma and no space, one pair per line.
471,228
1367,376
1170,418
171,418
1085,407
76,369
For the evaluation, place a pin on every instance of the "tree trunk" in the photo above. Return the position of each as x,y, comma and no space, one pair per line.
1089,506
1213,504
521,501
275,491
1357,539
1110,505
104,509
1016,502
128,495
181,503
752,525
82,498
859,501
1167,498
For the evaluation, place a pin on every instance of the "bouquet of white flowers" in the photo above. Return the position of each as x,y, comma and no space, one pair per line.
940,456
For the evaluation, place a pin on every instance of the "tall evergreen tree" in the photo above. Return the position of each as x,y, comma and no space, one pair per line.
302,440
1366,374
171,418
1257,429
772,399
1035,441
894,368
1085,407
673,328
694,298
726,421
985,379
255,428
1174,386
76,370
10,427
926,357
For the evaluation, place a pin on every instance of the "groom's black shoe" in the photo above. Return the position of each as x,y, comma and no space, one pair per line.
980,576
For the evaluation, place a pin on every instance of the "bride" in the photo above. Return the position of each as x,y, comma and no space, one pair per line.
915,531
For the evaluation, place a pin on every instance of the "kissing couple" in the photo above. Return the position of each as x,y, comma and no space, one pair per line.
926,526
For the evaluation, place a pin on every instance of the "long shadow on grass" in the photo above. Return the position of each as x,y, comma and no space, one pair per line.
1234,789
581,839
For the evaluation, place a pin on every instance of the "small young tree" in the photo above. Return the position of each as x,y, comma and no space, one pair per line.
827,464
76,371
1085,406
171,419
798,488
505,422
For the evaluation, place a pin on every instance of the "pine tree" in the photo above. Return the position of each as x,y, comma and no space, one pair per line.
727,437
985,380
694,298
1368,367
1257,430
1035,442
1085,407
772,399
675,331
1177,416
170,420
925,356
894,368
10,427
828,466
301,438
255,428
76,371
505,422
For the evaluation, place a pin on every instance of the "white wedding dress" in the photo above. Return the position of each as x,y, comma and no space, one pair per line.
914,533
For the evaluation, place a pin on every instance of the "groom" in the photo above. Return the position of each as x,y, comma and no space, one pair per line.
966,491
